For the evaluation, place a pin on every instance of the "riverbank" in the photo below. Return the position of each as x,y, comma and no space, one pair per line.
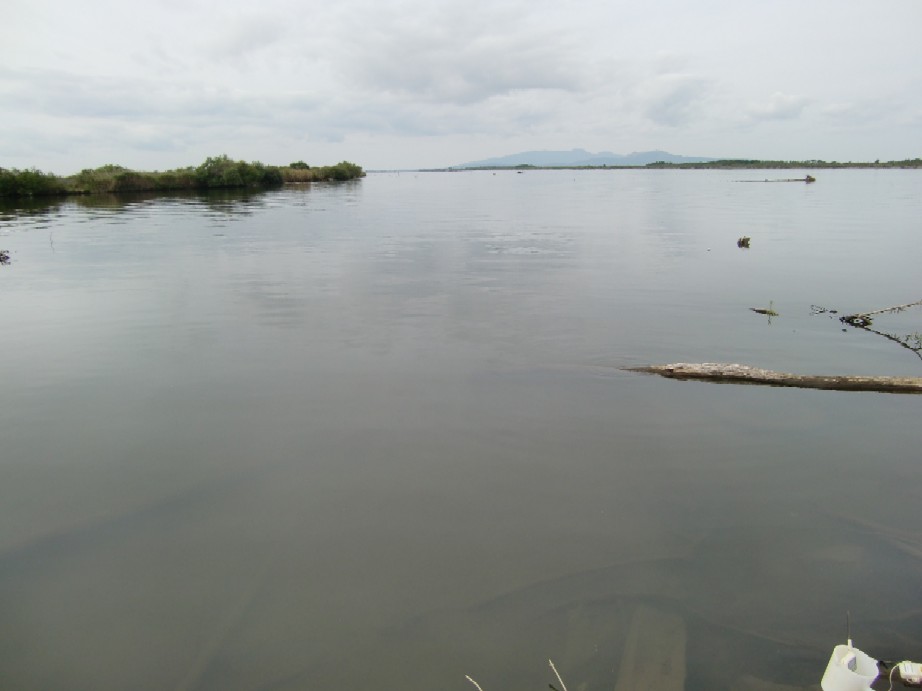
215,173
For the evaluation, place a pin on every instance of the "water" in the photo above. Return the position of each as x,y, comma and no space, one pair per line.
377,434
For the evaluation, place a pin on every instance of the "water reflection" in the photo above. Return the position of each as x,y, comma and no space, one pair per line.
27,212
229,202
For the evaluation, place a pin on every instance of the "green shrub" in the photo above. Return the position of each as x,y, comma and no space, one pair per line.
345,171
28,183
97,180
130,181
180,179
221,171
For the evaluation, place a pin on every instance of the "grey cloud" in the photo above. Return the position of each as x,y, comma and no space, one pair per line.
246,35
779,106
672,100
109,79
467,75
64,95
462,57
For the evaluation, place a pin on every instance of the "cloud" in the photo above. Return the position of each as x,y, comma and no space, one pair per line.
673,100
114,81
780,106
246,35
448,53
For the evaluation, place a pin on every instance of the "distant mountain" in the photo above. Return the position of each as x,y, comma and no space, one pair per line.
581,157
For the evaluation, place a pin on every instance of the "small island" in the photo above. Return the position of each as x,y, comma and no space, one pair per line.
218,172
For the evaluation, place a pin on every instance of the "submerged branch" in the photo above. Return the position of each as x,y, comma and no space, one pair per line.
864,320
743,374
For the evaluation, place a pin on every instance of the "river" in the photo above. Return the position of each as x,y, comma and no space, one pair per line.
378,434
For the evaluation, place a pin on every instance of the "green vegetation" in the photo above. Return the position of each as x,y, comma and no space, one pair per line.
767,165
218,172
301,172
28,183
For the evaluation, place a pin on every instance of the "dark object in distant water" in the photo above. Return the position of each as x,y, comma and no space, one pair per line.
4,257
808,179
743,242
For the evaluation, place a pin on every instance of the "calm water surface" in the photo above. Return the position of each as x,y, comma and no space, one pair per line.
377,434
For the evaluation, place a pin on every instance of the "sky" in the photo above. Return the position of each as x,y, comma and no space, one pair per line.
402,84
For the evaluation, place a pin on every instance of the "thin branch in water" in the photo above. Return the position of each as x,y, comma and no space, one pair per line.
885,310
863,320
473,682
904,341
562,685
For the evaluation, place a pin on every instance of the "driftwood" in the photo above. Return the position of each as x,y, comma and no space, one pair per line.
807,179
743,374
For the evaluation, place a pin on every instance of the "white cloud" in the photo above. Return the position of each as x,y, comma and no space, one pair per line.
779,106
445,52
434,82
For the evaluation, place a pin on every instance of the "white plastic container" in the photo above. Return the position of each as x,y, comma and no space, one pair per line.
849,669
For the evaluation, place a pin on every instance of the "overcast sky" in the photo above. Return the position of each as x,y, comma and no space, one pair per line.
427,83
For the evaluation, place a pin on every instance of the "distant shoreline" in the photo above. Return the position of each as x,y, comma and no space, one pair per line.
219,172
724,164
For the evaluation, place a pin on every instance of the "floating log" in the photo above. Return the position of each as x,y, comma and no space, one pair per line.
808,179
743,374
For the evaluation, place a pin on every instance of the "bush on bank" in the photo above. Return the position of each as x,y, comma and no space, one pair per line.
215,173
28,183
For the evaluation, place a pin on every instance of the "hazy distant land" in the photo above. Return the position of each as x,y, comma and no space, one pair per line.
580,158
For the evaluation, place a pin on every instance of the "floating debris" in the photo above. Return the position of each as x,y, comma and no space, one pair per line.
808,179
770,311
865,321
744,374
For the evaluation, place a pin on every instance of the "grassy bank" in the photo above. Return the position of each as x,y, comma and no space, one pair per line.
215,173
